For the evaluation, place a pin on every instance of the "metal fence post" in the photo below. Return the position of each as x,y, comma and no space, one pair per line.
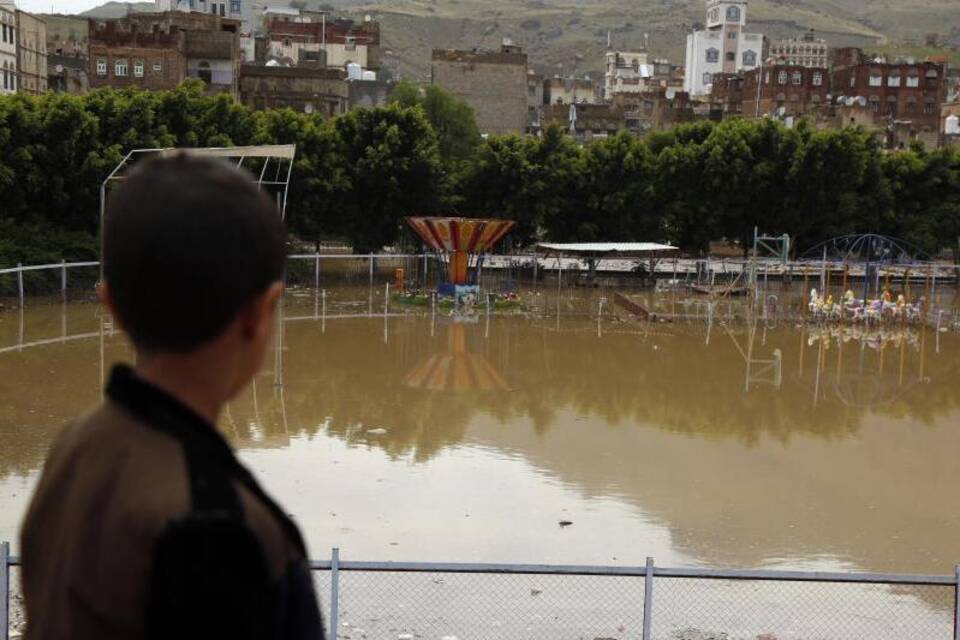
63,280
371,270
956,603
648,600
334,593
4,590
316,272
20,282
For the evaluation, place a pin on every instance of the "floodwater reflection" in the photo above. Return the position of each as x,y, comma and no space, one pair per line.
427,438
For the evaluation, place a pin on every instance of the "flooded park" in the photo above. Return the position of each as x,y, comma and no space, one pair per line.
566,431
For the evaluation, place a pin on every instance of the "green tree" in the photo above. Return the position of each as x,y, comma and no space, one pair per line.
451,118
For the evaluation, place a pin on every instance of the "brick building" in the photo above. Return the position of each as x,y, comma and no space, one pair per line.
904,96
67,74
161,50
585,122
726,94
787,91
31,54
343,41
8,47
305,88
493,83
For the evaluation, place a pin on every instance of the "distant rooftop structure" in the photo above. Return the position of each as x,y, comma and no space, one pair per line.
608,249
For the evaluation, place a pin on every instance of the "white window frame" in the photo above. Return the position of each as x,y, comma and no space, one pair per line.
138,68
797,78
876,80
121,68
157,67
913,81
101,67
817,79
782,78
893,80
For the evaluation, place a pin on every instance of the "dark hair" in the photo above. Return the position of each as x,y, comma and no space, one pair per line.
187,242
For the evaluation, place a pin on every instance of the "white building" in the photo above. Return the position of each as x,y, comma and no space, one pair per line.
626,72
8,47
806,51
723,47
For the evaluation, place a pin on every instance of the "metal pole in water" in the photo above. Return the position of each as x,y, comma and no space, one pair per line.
648,600
20,282
386,299
4,589
63,280
371,270
316,272
323,296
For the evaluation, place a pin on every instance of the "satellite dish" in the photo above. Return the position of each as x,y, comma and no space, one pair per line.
59,68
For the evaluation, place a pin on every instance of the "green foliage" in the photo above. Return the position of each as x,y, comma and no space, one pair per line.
357,176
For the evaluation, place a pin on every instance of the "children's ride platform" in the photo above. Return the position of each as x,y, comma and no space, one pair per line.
457,240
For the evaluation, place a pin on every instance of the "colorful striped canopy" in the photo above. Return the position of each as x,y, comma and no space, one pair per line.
470,235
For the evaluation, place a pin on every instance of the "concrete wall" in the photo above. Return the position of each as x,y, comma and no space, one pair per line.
303,89
495,85
31,53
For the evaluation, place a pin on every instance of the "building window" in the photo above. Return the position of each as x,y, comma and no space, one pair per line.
204,72
733,14
749,58
731,35
893,80
913,81
157,67
234,6
713,55
120,68
138,68
101,67
223,8
928,107
817,79
782,77
707,78
797,77
731,56
766,78
876,80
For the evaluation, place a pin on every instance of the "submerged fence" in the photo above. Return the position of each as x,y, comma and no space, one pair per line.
405,600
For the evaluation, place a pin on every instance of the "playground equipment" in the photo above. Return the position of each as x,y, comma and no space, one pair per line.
457,241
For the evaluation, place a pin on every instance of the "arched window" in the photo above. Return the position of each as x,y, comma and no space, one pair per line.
749,58
733,14
713,55
204,72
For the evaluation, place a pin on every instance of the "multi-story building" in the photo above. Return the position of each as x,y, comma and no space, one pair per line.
904,96
8,47
343,41
67,74
493,83
806,51
31,54
626,72
950,124
161,50
656,109
305,88
585,122
535,101
723,47
786,91
570,91
242,10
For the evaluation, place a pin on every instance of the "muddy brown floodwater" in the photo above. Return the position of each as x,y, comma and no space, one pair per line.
436,439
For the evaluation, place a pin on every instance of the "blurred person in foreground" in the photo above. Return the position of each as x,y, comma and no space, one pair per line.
144,524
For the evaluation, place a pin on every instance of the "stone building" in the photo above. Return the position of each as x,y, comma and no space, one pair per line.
726,94
723,47
805,51
656,109
305,88
585,122
626,72
904,96
367,94
67,74
950,124
343,41
570,91
8,47
31,54
494,83
535,101
161,50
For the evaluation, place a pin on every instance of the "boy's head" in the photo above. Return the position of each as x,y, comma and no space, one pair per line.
192,251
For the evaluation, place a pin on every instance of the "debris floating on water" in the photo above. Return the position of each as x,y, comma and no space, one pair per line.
565,523
377,432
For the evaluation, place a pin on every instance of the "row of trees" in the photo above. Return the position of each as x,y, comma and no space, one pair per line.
357,175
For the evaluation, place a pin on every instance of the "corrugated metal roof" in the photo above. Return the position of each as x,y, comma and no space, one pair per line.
600,248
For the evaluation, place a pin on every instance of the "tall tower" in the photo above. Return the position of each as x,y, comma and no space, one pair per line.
723,47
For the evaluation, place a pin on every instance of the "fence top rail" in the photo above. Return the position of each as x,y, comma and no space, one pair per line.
354,256
54,265
628,571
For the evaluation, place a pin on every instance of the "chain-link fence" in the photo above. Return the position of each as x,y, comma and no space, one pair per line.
407,601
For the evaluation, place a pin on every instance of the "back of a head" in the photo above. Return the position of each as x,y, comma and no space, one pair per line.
187,243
